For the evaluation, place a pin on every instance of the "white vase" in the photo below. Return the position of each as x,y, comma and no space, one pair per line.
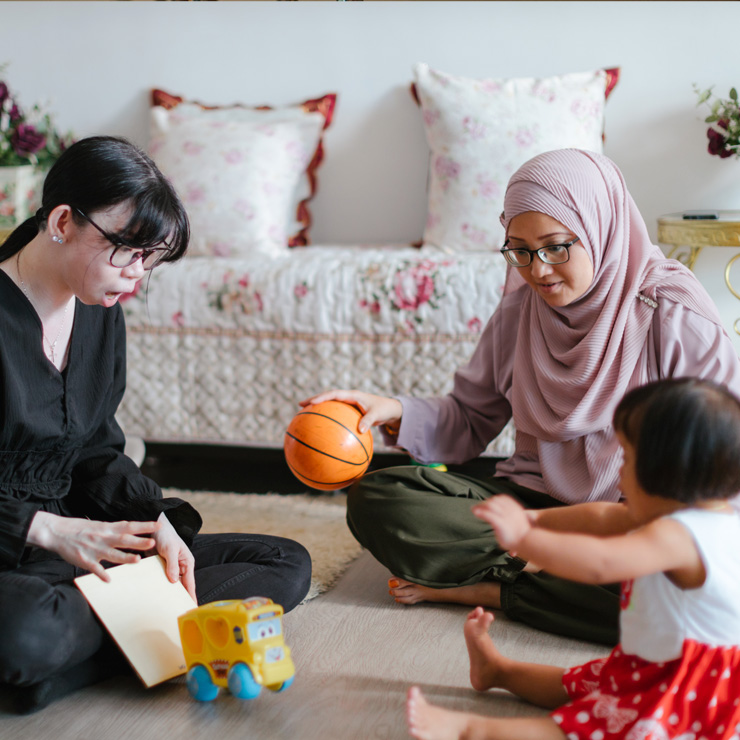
20,194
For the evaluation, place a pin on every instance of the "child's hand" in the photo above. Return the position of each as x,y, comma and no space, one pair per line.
510,521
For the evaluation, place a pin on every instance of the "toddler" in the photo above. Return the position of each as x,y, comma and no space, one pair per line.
673,544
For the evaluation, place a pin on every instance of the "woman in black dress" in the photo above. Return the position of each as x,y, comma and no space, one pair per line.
70,501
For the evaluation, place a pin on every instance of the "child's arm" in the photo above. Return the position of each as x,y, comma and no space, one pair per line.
663,545
599,518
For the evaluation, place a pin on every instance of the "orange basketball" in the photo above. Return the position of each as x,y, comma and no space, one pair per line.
323,447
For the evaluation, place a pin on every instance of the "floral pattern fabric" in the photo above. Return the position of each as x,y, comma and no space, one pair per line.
365,291
480,131
240,173
20,194
223,349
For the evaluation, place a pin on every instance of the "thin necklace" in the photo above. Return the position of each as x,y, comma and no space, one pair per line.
52,345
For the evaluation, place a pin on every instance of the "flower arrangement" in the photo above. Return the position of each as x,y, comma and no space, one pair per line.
27,137
724,119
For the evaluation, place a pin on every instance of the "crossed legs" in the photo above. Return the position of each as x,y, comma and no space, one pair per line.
53,644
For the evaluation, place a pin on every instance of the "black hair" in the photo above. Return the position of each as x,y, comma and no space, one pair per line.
100,172
686,436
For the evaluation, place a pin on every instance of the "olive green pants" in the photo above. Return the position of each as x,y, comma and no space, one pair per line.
417,522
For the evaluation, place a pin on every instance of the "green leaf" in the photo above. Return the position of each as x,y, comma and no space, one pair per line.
733,94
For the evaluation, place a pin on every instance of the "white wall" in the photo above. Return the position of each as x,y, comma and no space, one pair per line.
98,60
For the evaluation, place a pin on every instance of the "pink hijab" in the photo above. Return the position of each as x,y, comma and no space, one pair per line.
573,364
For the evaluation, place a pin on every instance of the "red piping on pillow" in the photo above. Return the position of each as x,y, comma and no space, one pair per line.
612,77
324,105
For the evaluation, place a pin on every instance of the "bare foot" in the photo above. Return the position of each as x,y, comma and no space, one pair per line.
487,593
486,662
428,722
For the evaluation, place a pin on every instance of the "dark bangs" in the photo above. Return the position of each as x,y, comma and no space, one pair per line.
101,172
158,219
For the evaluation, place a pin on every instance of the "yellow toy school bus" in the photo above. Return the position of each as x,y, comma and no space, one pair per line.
236,644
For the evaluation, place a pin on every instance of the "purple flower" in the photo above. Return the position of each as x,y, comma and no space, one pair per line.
717,141
4,93
26,140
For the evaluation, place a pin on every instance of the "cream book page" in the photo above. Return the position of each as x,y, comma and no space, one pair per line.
140,607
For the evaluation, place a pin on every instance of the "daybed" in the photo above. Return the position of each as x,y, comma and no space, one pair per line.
223,344
222,349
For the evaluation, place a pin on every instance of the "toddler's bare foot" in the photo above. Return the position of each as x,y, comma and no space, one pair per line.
487,593
486,662
428,722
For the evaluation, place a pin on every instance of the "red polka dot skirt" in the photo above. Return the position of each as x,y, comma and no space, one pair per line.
695,697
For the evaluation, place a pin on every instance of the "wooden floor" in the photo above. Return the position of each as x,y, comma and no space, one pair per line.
356,651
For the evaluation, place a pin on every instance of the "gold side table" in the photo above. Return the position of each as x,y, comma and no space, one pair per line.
687,238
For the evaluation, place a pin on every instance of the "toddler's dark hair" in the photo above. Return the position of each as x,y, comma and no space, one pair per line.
686,437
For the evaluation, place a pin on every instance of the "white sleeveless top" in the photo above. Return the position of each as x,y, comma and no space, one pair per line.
659,615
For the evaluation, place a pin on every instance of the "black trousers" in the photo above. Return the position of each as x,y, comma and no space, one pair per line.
47,626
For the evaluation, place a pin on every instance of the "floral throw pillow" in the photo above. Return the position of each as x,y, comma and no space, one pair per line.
480,131
245,175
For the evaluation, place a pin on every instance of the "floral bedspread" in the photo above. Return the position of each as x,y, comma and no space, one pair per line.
361,290
238,342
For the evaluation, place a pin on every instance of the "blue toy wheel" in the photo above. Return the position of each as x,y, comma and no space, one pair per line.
242,683
200,685
278,687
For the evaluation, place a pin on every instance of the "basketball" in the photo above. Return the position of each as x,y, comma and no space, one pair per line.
323,447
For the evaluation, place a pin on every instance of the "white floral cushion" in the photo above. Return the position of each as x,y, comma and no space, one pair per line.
480,131
244,174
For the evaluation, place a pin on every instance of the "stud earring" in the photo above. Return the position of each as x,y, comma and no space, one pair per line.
57,239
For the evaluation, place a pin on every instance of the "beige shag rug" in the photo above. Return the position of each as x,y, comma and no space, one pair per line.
317,522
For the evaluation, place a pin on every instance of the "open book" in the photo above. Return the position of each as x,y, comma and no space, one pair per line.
140,607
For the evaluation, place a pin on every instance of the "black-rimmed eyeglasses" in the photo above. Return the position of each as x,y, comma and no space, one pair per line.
554,254
125,254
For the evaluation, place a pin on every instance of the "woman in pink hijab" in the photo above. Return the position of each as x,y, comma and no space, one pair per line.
591,309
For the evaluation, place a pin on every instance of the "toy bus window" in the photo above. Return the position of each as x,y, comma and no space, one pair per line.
263,630
217,632
238,635
192,637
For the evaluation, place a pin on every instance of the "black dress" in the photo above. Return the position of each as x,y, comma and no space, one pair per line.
61,451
